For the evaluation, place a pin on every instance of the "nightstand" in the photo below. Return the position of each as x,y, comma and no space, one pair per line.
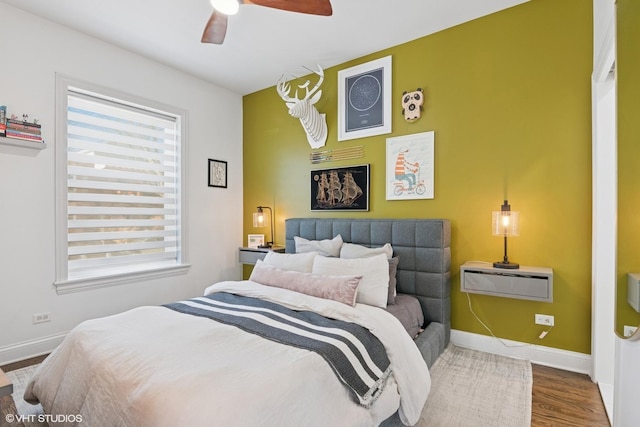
6,388
252,255
530,283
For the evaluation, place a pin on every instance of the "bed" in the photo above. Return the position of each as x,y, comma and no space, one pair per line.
424,250
172,365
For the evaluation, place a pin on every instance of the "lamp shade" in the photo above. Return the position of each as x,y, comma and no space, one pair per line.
259,221
505,222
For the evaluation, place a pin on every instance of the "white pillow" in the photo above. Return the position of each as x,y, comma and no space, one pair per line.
323,247
350,250
373,289
295,262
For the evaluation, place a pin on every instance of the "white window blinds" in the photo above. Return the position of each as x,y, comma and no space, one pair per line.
123,186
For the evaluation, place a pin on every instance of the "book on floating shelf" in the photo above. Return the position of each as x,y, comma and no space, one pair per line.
32,132
3,120
17,124
20,135
23,123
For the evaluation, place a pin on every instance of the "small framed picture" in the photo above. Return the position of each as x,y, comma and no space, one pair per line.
217,173
255,240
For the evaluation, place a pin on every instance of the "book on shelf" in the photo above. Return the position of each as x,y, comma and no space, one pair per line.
23,124
3,120
24,129
23,136
15,132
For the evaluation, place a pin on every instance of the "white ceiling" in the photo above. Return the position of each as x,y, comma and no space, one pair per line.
261,44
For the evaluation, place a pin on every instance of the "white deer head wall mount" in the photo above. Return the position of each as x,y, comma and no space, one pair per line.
314,123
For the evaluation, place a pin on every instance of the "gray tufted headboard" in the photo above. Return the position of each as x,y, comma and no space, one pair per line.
423,246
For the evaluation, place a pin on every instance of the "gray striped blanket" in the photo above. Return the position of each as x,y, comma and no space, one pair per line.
356,356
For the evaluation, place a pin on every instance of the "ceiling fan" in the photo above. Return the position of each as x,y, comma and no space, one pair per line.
216,27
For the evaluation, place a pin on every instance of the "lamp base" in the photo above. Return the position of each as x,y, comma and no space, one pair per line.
507,265
267,245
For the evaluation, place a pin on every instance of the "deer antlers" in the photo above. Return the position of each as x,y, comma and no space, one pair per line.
284,88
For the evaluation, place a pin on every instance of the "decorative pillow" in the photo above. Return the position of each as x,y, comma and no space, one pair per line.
323,247
373,289
393,269
351,250
296,262
338,288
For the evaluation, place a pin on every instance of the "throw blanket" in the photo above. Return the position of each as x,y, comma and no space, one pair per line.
356,356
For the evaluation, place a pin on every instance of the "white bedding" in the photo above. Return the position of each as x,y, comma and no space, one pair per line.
152,366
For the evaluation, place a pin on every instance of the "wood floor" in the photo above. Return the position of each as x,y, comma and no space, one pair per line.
562,398
559,398
23,363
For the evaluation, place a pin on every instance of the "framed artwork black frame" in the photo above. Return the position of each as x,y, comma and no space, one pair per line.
217,173
339,189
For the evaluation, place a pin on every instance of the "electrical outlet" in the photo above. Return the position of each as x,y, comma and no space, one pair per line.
41,317
543,319
629,330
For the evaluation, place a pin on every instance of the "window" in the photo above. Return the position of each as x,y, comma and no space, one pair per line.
119,187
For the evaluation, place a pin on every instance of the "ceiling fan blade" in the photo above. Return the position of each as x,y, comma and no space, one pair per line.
312,7
216,29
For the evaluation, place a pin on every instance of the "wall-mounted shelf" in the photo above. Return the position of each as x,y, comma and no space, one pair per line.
21,143
252,255
531,283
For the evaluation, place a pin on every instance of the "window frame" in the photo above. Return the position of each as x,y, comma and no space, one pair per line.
63,283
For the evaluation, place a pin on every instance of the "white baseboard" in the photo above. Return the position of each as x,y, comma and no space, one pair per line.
28,349
537,354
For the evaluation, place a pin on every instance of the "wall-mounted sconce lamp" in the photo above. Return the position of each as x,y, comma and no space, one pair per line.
505,223
260,221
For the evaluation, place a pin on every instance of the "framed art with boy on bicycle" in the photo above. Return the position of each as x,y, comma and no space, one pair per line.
410,166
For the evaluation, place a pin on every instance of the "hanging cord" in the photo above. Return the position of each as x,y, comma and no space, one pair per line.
542,335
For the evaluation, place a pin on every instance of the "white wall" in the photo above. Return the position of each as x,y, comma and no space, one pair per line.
604,203
626,378
627,386
33,50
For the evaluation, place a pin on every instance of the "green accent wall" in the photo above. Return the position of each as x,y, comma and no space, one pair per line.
509,98
628,70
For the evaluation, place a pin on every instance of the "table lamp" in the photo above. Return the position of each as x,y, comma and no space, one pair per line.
505,224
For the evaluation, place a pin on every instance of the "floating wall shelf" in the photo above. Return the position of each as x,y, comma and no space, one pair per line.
24,144
532,283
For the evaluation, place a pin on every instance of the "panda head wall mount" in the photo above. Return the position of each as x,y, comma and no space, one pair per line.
412,104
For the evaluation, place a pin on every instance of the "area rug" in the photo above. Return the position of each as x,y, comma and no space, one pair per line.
20,378
469,388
